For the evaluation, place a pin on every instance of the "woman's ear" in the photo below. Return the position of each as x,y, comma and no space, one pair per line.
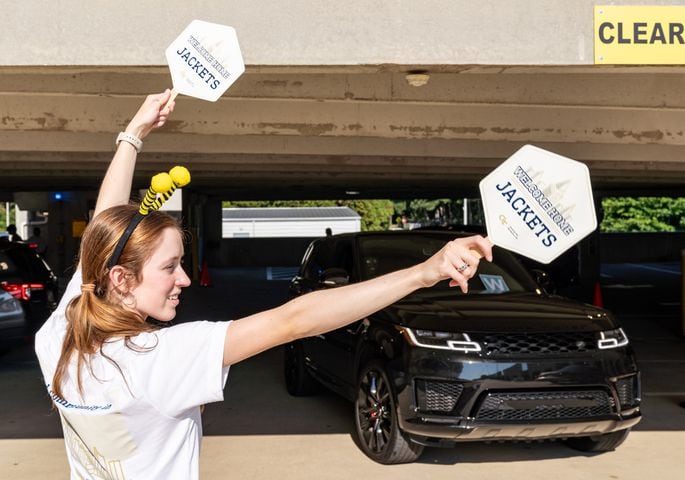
118,278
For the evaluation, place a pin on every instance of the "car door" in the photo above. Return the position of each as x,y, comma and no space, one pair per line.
334,350
316,261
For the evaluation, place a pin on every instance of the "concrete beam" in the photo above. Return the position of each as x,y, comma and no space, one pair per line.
302,32
285,126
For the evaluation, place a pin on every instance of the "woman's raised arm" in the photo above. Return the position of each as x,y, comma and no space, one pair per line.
326,310
116,186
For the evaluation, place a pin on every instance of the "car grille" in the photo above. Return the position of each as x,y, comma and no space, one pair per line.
536,344
525,406
437,396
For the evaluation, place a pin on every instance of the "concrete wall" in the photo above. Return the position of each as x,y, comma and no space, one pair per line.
290,227
260,252
306,32
641,247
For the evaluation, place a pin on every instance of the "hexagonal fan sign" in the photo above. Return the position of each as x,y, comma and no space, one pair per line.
538,203
205,60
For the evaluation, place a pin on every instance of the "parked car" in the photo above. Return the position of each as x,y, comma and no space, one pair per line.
506,361
28,279
12,320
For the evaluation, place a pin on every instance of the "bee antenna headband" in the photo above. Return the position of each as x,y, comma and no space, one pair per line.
163,184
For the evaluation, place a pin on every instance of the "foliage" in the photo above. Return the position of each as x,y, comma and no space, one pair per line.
376,214
621,214
441,211
3,216
643,214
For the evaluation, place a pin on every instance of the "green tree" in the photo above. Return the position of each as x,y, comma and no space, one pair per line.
3,215
441,211
643,214
376,214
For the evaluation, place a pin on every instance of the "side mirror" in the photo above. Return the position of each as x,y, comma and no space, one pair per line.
543,280
296,285
335,277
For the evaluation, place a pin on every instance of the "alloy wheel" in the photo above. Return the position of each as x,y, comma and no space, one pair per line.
374,411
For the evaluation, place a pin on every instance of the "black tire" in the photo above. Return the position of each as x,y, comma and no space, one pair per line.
599,443
298,381
375,417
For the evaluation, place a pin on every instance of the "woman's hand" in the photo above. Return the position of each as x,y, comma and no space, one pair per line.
152,114
116,186
457,261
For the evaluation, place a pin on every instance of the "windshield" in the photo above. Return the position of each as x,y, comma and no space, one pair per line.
386,253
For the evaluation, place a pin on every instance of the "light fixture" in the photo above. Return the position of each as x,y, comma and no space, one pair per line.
417,78
351,192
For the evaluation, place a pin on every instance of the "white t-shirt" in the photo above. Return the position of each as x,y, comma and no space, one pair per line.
142,421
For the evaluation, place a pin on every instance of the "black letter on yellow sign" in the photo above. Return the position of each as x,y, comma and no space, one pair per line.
602,27
639,31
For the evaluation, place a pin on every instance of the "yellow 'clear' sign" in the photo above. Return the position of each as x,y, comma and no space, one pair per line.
639,35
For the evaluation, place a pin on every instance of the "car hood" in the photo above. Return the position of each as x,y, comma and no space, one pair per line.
519,312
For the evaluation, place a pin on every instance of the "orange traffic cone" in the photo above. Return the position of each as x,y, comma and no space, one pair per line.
204,275
597,300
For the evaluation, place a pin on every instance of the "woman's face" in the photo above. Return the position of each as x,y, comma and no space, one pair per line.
163,277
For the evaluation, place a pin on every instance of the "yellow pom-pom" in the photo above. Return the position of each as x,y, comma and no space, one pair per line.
180,176
161,182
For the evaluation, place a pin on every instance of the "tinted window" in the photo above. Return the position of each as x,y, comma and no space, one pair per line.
319,259
327,254
20,260
387,253
7,265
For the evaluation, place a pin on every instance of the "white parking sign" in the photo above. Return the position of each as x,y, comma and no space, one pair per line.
538,203
205,60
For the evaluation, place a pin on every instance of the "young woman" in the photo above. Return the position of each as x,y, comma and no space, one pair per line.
128,393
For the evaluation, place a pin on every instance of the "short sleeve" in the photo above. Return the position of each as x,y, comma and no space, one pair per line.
184,366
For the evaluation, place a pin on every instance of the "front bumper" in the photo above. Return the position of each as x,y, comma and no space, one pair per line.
455,397
427,431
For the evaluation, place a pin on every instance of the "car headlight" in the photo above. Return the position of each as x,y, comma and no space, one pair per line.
459,342
612,339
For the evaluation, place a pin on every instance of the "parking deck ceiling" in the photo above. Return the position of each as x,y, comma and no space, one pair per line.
318,132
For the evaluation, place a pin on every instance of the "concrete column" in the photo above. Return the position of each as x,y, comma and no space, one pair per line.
682,296
211,230
66,218
202,216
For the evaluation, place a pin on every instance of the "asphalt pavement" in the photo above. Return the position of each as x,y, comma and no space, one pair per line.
260,432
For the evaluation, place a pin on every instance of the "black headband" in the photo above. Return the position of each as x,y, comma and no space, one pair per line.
124,238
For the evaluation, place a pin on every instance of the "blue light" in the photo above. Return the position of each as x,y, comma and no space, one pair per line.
57,196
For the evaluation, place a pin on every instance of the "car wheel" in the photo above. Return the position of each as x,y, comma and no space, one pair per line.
298,381
378,431
599,443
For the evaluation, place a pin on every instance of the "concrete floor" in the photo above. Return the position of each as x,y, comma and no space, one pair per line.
260,432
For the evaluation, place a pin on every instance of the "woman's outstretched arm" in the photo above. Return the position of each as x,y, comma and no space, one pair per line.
326,310
116,185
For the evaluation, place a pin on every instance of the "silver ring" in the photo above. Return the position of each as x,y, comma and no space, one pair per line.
463,267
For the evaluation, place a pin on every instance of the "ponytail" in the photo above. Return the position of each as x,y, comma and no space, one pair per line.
97,315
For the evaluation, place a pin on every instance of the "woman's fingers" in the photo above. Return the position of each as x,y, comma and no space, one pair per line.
153,113
483,245
464,260
457,261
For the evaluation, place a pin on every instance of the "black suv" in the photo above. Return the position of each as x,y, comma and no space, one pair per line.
504,362
25,275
